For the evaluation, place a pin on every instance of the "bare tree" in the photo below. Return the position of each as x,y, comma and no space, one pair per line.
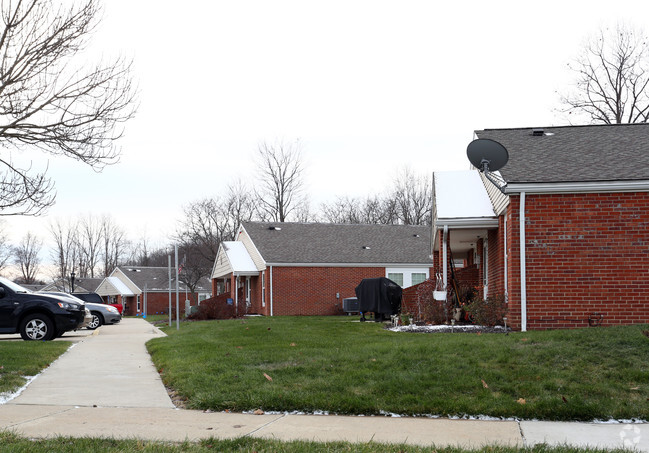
5,247
65,252
89,245
27,259
280,175
114,245
210,221
413,197
49,103
371,210
612,78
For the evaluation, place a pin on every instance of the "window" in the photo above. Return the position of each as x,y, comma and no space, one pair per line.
396,277
263,288
138,303
418,277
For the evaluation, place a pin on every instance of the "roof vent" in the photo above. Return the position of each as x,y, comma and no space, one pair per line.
415,235
538,132
366,247
274,228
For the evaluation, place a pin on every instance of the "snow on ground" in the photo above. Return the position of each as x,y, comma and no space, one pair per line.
443,328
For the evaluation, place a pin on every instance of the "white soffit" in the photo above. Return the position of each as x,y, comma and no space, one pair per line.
461,195
240,260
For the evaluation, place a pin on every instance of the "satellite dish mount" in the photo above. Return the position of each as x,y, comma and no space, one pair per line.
488,156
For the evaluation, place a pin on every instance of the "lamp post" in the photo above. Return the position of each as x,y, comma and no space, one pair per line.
72,274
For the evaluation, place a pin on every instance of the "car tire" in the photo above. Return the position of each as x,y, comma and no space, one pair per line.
37,327
97,321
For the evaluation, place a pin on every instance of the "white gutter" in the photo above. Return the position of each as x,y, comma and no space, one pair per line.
444,252
271,290
468,222
578,187
523,283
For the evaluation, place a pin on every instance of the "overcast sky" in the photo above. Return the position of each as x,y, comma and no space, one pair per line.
367,87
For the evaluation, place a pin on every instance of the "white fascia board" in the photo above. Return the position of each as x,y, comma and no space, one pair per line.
426,264
479,222
242,228
578,187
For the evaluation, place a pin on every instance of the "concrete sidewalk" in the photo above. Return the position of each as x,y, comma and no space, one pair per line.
107,386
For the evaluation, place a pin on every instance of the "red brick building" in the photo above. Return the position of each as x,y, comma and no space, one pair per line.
143,289
309,268
563,233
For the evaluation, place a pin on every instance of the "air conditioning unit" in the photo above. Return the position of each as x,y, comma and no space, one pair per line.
351,305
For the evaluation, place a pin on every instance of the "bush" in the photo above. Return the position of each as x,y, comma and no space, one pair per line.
213,309
430,310
489,312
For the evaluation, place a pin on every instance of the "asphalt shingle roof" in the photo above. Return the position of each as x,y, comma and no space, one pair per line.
574,153
157,278
321,243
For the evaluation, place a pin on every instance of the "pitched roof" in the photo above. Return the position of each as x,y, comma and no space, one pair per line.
327,243
157,278
617,152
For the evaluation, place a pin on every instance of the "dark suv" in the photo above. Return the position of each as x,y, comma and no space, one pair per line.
37,316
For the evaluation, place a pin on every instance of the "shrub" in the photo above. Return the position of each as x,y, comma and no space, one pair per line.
430,310
213,309
489,312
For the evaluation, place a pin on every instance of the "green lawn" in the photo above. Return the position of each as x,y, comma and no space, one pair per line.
12,443
345,367
26,358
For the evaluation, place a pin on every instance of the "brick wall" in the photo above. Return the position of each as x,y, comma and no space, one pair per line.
585,254
312,290
158,303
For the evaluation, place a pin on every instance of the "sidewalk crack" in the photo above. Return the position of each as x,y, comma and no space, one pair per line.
265,425
52,414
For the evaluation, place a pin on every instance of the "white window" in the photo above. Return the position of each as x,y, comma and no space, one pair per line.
406,277
396,277
418,277
138,303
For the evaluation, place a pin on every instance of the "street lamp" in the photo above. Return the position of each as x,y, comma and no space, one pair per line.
72,274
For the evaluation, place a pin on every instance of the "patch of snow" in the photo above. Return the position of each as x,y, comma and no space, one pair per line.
8,396
443,328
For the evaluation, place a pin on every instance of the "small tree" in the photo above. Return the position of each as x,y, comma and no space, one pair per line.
27,259
612,78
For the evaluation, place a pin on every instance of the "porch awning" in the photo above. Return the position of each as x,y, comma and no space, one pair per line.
461,202
114,287
233,258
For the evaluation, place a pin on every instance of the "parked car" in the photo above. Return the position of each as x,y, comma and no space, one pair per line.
100,313
97,299
37,316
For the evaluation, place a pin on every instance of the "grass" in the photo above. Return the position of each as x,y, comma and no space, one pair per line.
26,358
344,367
15,444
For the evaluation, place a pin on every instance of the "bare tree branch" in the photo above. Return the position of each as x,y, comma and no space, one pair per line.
27,259
612,78
50,104
280,177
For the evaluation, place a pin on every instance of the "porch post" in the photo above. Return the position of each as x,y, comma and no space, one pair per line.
445,259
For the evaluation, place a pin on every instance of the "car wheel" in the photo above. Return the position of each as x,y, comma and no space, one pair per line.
37,327
96,321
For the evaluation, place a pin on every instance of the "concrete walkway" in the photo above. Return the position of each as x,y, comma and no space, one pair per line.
107,386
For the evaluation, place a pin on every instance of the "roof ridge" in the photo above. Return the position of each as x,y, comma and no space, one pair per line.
559,127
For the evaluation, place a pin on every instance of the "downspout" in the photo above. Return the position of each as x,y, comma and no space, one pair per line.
271,290
445,257
523,283
505,257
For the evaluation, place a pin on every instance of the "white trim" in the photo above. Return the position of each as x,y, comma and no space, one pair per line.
426,264
475,222
578,187
522,260
445,259
271,290
243,229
